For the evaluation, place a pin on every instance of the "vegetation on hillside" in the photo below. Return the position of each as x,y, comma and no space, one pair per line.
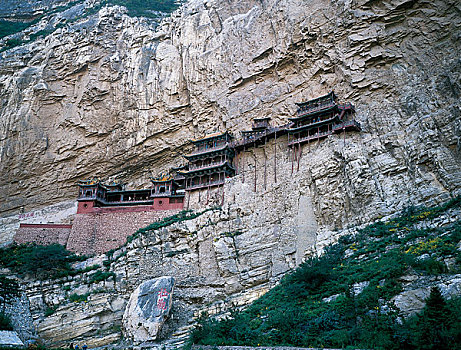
136,8
343,298
51,261
147,8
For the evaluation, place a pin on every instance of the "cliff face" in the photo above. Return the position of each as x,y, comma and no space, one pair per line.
107,96
222,258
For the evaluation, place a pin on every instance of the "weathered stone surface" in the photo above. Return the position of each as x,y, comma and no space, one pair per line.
96,322
216,65
10,339
224,257
148,308
109,96
417,289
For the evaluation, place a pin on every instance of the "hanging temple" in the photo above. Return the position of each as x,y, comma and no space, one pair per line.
214,158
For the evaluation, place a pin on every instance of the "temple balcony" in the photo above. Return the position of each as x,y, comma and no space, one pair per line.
315,122
348,125
220,147
193,167
205,185
305,111
214,165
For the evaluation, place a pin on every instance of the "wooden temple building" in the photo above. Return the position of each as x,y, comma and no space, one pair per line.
210,163
95,195
319,118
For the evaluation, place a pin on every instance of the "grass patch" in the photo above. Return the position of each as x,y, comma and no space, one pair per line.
50,310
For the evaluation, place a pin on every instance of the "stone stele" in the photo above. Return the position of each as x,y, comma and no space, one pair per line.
148,308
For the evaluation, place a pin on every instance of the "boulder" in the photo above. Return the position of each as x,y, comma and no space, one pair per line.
148,309
10,339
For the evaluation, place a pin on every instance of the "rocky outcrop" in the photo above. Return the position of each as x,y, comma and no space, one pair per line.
108,96
10,339
148,308
214,268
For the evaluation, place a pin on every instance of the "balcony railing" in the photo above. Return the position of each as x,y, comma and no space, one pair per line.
308,110
319,135
207,166
311,137
205,185
313,123
209,149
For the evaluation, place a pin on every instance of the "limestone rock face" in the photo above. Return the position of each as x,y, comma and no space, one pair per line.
110,96
148,308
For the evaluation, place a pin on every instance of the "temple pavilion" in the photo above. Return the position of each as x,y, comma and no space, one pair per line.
210,163
164,194
165,186
319,118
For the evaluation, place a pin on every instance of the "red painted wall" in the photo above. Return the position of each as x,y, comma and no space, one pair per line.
162,203
46,225
85,207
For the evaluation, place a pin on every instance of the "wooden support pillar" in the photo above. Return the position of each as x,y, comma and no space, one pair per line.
299,155
265,163
275,157
243,164
255,163
222,196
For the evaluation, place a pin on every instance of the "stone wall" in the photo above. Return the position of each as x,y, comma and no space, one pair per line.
97,233
43,234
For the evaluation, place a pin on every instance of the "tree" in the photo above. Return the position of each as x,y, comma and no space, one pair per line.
9,289
434,323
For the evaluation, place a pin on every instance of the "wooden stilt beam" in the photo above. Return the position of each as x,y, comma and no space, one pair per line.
236,163
255,163
222,196
299,155
265,163
188,194
243,164
275,157
208,191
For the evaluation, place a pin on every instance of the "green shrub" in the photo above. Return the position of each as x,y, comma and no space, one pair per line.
76,298
5,322
99,276
147,8
50,310
9,289
41,261
293,313
9,27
